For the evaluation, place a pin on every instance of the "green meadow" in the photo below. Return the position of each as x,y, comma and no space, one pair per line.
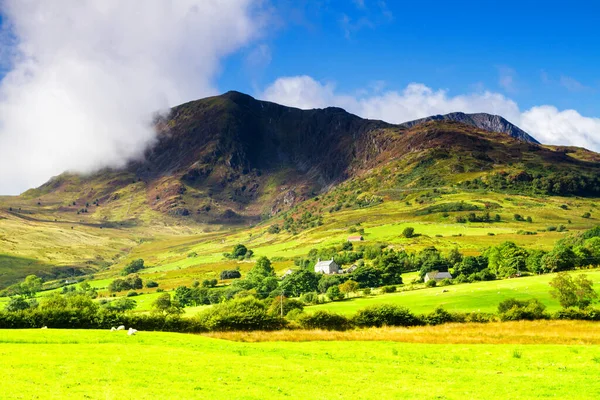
59,364
466,297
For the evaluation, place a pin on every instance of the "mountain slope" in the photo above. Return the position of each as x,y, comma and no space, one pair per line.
231,158
488,122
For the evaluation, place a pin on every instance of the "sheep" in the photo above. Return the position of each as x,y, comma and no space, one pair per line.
44,327
113,329
121,328
131,331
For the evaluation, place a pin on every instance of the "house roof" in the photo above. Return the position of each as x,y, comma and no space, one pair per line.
439,275
325,263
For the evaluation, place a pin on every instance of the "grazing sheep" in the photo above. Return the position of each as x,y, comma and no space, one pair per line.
113,329
121,328
131,331
44,327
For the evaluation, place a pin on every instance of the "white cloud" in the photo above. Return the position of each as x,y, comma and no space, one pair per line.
88,74
573,85
507,79
545,123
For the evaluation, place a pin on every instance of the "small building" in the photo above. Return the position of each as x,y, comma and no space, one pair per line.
437,276
328,267
350,269
287,272
355,238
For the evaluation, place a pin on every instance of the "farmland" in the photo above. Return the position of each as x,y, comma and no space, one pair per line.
473,297
55,364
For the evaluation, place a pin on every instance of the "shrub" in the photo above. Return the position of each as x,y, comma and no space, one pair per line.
431,283
589,314
440,316
132,294
388,289
366,291
385,315
133,267
408,232
515,310
310,298
230,274
285,305
151,284
445,282
241,314
334,293
324,320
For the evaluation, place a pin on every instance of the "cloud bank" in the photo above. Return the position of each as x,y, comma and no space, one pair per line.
86,75
546,123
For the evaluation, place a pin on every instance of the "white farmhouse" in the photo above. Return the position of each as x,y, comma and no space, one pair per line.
327,267
437,276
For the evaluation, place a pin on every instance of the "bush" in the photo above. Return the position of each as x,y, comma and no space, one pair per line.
385,315
408,232
515,310
334,293
151,284
431,283
445,282
230,274
132,294
242,314
388,289
310,298
278,304
589,314
324,320
440,316
586,215
133,267
366,291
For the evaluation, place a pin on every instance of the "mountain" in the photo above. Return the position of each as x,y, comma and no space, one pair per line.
232,169
488,122
231,158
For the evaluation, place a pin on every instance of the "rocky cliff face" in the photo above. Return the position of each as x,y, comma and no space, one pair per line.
488,122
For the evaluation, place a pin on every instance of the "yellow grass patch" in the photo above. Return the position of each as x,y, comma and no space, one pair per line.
519,332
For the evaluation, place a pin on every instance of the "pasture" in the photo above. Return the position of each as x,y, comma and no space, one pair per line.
466,297
58,364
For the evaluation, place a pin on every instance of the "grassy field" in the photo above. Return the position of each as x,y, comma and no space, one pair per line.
468,297
57,364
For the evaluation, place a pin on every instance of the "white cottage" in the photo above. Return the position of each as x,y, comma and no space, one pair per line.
327,267
437,276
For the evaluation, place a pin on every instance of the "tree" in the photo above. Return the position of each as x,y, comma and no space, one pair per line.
408,232
334,293
133,267
561,258
573,292
262,269
507,259
134,282
163,304
230,274
17,303
239,251
31,285
121,305
183,295
348,287
299,282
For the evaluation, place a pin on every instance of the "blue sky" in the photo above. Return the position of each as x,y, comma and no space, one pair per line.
535,52
80,80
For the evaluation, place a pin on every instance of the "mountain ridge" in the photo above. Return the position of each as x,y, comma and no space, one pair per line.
488,122
229,158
